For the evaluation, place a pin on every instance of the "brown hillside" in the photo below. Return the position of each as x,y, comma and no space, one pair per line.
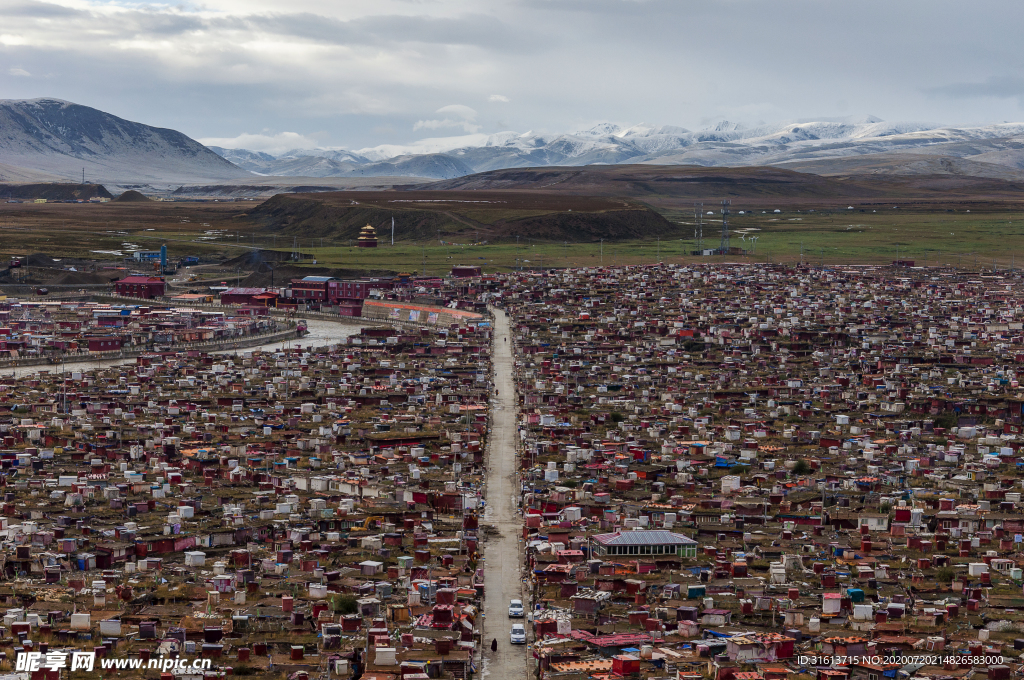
484,216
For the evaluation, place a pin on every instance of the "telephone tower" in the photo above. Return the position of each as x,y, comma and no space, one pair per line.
724,248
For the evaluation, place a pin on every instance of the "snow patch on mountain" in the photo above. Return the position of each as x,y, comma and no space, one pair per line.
722,143
62,139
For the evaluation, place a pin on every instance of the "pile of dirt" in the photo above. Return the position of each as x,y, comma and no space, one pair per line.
132,196
69,278
54,192
47,276
42,260
255,258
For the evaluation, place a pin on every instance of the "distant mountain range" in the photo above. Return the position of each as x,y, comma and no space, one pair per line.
821,147
52,140
331,163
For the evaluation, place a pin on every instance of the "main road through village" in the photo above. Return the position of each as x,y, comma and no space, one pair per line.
503,575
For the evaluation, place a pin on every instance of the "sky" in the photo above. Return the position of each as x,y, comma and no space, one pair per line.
269,75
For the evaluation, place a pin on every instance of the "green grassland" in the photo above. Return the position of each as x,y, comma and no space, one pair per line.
982,237
933,237
968,240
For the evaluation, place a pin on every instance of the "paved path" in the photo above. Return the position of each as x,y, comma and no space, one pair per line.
502,559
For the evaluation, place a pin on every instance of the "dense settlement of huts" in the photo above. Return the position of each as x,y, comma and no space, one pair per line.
753,472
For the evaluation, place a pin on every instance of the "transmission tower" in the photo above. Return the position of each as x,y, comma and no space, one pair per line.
724,248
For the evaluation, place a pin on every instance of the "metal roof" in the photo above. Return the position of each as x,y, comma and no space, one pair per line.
319,279
140,279
644,537
615,640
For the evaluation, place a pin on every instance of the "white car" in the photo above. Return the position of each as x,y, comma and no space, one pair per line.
518,634
515,609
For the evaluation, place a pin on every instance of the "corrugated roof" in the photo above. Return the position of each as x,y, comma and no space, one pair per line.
319,279
644,537
615,640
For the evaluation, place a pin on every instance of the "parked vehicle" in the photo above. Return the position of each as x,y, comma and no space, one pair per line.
518,634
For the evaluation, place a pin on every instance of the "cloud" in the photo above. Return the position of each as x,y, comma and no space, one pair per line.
272,144
465,119
435,124
459,110
372,73
1004,87
382,30
38,9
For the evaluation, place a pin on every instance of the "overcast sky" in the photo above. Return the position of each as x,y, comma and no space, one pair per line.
272,75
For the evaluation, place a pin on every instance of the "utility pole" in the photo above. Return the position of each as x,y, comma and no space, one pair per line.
724,247
698,233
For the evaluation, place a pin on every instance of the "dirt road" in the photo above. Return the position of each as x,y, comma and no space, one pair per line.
502,565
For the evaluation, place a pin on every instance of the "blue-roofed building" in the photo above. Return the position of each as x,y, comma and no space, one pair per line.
315,289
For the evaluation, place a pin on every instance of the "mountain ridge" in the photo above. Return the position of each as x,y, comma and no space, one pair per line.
60,139
48,139
725,144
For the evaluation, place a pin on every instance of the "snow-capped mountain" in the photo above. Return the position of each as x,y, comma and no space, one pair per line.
255,161
721,144
61,139
340,163
50,139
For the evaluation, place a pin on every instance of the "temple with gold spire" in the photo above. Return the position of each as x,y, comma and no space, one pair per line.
367,237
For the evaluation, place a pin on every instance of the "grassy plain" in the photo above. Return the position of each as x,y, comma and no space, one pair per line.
929,237
983,237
